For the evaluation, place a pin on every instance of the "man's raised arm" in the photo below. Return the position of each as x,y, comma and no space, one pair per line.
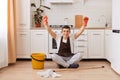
45,23
79,32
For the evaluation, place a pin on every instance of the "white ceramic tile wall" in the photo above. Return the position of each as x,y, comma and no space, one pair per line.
91,8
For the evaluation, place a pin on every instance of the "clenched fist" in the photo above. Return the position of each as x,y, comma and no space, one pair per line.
85,21
45,20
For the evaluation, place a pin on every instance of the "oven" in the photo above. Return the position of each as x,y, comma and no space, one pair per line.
52,42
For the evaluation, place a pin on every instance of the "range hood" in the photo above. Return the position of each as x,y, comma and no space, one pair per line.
61,1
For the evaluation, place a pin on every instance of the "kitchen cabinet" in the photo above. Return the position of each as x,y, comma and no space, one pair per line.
22,8
108,45
23,44
80,44
96,44
61,1
39,41
22,13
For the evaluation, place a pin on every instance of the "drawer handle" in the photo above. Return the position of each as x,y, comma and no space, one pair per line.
80,46
81,40
22,34
81,51
83,34
96,34
22,24
39,34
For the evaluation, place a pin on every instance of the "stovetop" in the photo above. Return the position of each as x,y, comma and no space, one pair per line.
60,26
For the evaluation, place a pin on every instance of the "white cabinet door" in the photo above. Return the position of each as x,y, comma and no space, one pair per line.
96,44
39,41
22,14
108,45
23,44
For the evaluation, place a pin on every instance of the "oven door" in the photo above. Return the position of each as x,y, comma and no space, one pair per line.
52,43
52,46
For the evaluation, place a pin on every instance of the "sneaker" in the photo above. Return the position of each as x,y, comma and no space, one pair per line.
73,65
60,66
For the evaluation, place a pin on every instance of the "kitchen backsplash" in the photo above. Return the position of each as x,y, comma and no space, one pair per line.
98,11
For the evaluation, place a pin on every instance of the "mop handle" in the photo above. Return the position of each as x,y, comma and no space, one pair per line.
73,69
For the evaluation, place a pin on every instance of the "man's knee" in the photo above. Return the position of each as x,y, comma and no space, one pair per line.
80,55
54,56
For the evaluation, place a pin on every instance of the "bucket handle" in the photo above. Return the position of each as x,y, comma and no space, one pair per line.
37,59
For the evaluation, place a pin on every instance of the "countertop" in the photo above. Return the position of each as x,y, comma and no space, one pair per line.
42,28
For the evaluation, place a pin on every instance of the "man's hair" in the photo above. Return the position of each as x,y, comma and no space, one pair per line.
66,27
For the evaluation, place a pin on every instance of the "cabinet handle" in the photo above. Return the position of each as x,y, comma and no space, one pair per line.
83,34
96,34
22,24
81,40
81,51
22,34
81,46
39,34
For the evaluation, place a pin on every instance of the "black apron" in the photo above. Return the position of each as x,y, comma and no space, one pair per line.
65,48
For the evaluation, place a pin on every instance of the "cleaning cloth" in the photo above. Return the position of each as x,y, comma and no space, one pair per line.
48,73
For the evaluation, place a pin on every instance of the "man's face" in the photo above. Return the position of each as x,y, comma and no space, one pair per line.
65,32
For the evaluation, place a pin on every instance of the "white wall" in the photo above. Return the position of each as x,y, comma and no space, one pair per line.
3,34
94,9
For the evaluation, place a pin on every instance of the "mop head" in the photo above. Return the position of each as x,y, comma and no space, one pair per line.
48,73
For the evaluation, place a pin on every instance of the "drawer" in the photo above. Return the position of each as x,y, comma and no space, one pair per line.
81,50
80,44
84,33
82,38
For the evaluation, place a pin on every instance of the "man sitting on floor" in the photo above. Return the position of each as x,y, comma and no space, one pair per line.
65,58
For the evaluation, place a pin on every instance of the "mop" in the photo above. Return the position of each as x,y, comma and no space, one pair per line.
52,73
73,69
